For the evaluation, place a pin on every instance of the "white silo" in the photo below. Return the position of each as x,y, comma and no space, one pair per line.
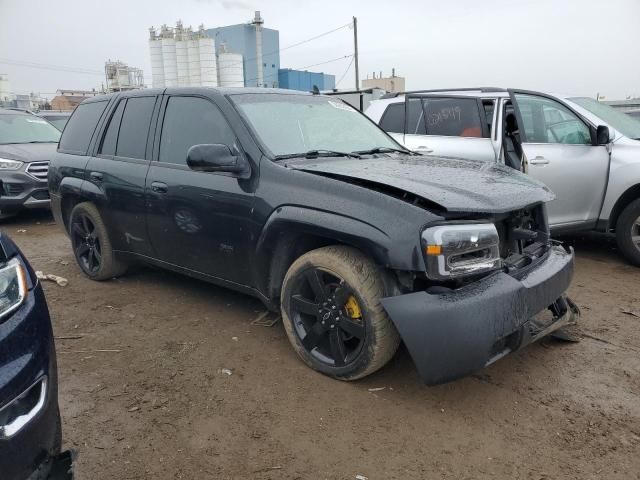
193,57
230,70
157,70
5,91
208,70
169,63
182,60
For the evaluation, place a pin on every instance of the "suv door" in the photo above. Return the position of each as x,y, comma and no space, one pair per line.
197,220
449,126
115,177
559,150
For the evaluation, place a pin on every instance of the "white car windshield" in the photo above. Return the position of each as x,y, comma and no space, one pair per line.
626,125
294,124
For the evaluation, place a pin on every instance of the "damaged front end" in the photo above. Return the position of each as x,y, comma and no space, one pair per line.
486,288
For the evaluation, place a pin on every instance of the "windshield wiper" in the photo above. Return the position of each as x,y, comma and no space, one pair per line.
319,153
383,150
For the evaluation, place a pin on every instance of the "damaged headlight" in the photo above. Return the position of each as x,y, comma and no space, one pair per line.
453,251
13,287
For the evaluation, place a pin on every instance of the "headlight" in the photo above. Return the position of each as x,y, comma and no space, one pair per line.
13,287
6,164
453,251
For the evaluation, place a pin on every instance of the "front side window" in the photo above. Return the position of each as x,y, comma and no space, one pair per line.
548,121
293,124
134,127
190,121
78,132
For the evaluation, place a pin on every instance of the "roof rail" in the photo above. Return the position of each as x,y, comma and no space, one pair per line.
440,90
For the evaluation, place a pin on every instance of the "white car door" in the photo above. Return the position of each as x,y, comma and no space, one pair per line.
559,150
448,126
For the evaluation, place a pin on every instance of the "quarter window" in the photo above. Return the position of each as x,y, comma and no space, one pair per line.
190,121
548,121
77,135
393,118
134,127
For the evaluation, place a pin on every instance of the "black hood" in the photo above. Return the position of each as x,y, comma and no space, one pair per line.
28,152
454,184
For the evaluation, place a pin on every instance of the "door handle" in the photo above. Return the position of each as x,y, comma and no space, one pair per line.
96,176
539,161
159,187
425,149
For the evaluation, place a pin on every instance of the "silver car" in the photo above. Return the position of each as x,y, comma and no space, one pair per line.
585,151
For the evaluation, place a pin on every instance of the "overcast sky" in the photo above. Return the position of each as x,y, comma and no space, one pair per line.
570,46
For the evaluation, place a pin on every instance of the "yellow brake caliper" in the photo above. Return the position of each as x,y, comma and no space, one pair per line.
352,307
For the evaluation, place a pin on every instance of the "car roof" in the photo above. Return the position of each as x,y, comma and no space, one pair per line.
222,90
11,111
58,113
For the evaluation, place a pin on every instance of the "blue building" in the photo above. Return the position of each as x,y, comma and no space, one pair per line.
305,81
242,39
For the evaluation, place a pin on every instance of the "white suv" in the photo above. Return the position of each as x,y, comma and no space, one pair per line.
585,151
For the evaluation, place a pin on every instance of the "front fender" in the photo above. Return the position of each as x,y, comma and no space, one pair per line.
324,224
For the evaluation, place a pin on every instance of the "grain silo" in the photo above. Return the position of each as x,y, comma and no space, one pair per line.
230,68
169,62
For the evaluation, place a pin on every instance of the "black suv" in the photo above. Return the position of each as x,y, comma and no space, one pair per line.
303,202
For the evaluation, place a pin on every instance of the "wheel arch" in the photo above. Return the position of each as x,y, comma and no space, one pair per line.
291,232
629,195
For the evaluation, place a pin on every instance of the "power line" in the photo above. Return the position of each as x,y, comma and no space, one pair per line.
46,66
314,65
353,57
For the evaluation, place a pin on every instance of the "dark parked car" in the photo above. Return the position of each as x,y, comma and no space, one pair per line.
55,117
27,143
303,202
30,432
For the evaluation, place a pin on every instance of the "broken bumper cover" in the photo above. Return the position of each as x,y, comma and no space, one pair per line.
457,332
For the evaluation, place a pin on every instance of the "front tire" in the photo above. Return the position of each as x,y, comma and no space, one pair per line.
332,314
628,232
91,245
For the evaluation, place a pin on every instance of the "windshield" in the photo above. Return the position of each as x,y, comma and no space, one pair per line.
291,124
626,125
21,128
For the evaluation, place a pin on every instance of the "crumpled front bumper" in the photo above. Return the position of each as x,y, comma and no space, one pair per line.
453,333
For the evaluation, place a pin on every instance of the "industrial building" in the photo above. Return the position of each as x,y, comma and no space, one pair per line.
305,81
240,55
390,84
258,46
120,77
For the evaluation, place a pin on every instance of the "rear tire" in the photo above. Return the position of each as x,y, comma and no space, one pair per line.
91,244
332,314
628,232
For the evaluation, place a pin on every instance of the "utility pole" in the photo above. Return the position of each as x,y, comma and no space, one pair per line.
355,51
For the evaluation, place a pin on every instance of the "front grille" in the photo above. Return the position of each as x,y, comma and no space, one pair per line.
524,236
38,170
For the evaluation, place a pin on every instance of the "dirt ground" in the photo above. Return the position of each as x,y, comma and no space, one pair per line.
143,394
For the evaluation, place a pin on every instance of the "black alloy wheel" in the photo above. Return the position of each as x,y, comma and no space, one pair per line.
86,243
327,317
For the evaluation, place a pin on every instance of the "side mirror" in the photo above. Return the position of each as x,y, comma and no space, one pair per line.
602,135
215,157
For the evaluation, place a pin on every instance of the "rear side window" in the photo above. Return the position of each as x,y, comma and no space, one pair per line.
109,141
393,118
190,121
453,117
134,127
83,122
415,123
